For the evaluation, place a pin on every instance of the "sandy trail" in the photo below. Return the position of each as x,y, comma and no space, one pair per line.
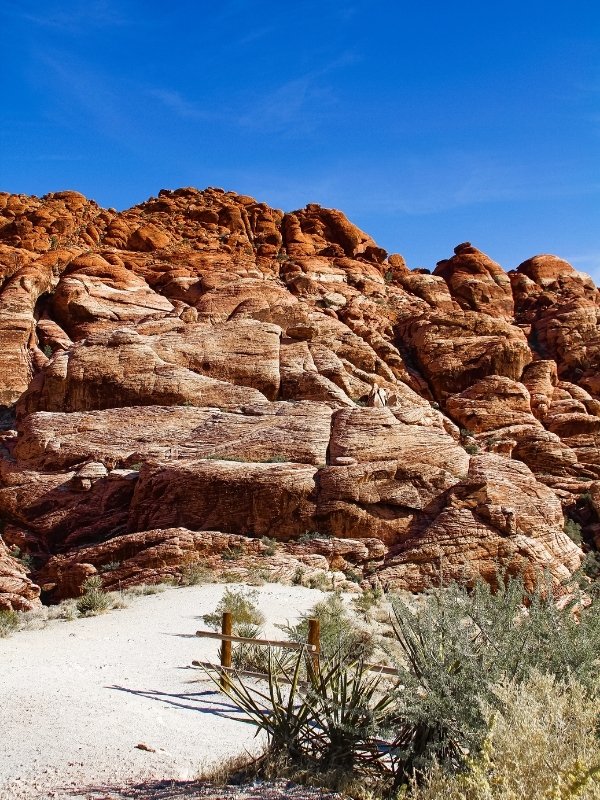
77,697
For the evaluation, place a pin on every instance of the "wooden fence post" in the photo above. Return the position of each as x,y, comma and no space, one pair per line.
314,638
225,648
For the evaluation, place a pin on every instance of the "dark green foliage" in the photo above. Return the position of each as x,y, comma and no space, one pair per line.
270,546
310,535
24,558
458,647
326,724
232,553
573,530
110,566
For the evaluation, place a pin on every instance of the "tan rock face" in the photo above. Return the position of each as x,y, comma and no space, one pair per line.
181,379
17,592
476,282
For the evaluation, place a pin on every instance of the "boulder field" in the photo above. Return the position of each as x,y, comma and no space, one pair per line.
203,381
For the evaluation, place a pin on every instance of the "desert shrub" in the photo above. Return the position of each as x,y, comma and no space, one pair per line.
353,576
298,576
270,546
67,610
110,566
94,599
367,602
472,449
458,644
573,530
194,574
496,697
340,632
9,622
541,743
117,600
249,656
591,565
233,576
321,581
232,553
25,559
241,605
308,536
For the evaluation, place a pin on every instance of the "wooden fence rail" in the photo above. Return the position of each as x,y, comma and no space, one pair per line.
312,647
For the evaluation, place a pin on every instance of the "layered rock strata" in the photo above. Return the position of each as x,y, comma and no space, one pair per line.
204,380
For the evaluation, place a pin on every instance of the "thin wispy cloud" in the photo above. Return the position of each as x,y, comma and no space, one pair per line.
253,36
297,106
84,94
69,17
178,104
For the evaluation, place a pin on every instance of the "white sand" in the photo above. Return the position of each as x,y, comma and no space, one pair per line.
77,697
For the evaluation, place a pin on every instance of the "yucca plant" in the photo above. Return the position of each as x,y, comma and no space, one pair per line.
328,723
280,713
350,710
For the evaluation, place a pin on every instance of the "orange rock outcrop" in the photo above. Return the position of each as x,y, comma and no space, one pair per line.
201,374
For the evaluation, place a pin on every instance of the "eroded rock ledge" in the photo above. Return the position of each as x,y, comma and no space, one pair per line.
203,375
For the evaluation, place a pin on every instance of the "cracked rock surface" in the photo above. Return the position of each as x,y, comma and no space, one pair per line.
202,372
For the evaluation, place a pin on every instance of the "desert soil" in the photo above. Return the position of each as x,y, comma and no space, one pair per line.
78,697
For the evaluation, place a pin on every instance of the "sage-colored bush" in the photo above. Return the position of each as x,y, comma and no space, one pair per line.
458,644
9,622
541,743
340,631
241,604
94,599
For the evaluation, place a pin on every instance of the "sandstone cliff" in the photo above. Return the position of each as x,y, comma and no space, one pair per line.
194,377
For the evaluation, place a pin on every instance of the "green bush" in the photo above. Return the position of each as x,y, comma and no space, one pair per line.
541,743
367,602
270,546
322,581
241,605
459,644
324,726
573,530
25,559
94,599
194,574
309,536
496,697
340,633
232,553
9,622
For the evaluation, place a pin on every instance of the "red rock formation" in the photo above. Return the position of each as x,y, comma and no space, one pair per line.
189,375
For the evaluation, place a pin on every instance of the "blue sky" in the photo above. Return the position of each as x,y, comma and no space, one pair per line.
427,123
